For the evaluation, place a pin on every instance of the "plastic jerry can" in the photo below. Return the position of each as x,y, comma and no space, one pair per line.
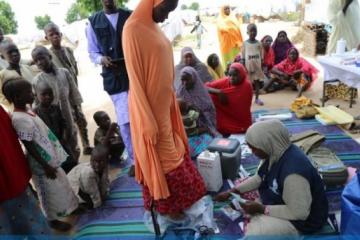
209,167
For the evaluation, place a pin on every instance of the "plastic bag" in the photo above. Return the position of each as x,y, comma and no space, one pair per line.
231,213
201,213
198,215
350,207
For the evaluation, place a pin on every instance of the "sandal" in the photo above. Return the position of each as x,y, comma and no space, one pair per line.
259,102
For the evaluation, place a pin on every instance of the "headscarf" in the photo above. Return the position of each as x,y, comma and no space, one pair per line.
235,117
269,55
271,137
228,32
14,168
200,68
199,97
287,66
159,138
241,70
280,49
218,72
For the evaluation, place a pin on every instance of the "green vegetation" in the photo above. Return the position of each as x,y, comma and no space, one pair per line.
290,17
7,18
84,8
42,21
75,13
194,6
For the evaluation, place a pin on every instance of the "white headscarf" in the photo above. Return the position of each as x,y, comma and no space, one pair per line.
270,136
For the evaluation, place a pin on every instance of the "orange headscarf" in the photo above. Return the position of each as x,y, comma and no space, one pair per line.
159,138
228,32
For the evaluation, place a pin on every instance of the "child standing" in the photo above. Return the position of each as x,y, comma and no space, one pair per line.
116,144
90,180
199,29
45,155
252,55
53,118
66,94
63,57
10,52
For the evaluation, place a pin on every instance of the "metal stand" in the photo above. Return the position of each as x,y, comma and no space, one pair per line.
325,98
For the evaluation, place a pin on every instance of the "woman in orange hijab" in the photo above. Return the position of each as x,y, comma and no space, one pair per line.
162,164
229,34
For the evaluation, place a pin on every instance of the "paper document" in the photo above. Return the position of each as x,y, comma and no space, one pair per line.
238,198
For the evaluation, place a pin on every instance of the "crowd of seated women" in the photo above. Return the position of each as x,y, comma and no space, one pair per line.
215,100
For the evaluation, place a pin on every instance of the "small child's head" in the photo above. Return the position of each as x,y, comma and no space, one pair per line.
42,58
53,34
213,60
10,52
99,158
44,94
252,31
18,91
184,107
102,119
267,41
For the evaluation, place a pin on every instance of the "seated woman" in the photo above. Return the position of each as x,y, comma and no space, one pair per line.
232,97
194,93
269,55
280,46
189,59
199,137
268,64
292,194
294,72
214,67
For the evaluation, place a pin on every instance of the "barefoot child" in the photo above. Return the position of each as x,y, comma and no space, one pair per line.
116,144
252,56
53,118
45,155
63,57
10,52
90,180
66,94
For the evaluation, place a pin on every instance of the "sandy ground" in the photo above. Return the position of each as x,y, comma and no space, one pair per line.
90,81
